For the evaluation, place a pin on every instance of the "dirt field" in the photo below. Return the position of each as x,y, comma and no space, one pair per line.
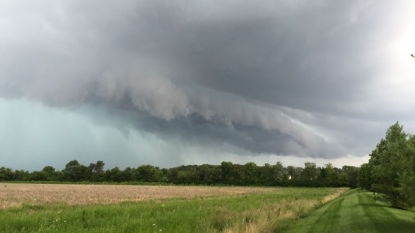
14,195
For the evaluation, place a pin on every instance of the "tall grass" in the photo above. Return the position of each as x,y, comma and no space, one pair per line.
255,212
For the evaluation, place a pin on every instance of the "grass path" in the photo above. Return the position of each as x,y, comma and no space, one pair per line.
356,211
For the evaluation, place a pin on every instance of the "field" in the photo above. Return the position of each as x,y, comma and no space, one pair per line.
356,211
14,195
94,208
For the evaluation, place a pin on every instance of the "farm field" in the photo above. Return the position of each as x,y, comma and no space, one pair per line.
356,211
14,195
165,208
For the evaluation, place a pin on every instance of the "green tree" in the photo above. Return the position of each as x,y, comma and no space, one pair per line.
350,174
74,171
227,170
71,170
407,177
280,173
309,174
266,173
291,173
391,161
148,173
39,176
365,177
116,175
128,174
96,171
250,171
327,175
6,174
50,172
20,175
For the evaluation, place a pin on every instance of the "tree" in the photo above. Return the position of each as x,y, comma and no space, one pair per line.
327,175
74,171
407,177
365,176
20,175
208,174
50,172
39,176
116,175
250,171
266,173
128,174
291,173
350,174
226,170
96,171
148,173
280,173
391,161
6,174
70,170
310,173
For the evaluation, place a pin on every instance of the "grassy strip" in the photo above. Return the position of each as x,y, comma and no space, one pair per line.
258,212
356,211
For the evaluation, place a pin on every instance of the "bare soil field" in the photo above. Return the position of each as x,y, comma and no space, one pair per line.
14,195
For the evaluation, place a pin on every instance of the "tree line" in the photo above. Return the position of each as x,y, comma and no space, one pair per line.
390,172
227,173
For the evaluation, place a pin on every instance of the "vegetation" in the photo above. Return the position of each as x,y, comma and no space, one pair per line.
227,173
391,168
356,211
254,212
14,195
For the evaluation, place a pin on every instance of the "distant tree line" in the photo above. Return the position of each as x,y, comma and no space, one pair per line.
390,172
227,173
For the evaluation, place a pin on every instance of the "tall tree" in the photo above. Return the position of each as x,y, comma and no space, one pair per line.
148,173
250,170
351,174
327,175
407,177
50,171
280,173
390,160
6,174
71,170
309,174
365,176
97,171
227,170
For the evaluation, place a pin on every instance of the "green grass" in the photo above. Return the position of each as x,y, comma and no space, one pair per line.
356,211
258,212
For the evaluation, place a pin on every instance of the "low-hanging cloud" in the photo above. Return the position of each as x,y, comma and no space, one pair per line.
222,71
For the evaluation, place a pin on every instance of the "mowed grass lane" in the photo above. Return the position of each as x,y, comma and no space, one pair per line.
356,211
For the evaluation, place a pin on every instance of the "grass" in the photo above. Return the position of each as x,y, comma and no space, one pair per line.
356,211
248,212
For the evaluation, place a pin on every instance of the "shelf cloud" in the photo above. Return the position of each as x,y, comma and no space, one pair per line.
316,80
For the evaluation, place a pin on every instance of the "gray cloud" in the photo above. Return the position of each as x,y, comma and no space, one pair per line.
286,78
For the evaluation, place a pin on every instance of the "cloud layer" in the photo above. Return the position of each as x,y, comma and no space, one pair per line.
321,79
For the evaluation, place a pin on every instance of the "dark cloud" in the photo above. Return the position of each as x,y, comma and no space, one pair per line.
287,78
195,129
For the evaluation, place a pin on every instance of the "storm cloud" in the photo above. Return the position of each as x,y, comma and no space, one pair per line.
318,79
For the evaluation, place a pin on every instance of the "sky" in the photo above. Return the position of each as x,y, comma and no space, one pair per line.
173,82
